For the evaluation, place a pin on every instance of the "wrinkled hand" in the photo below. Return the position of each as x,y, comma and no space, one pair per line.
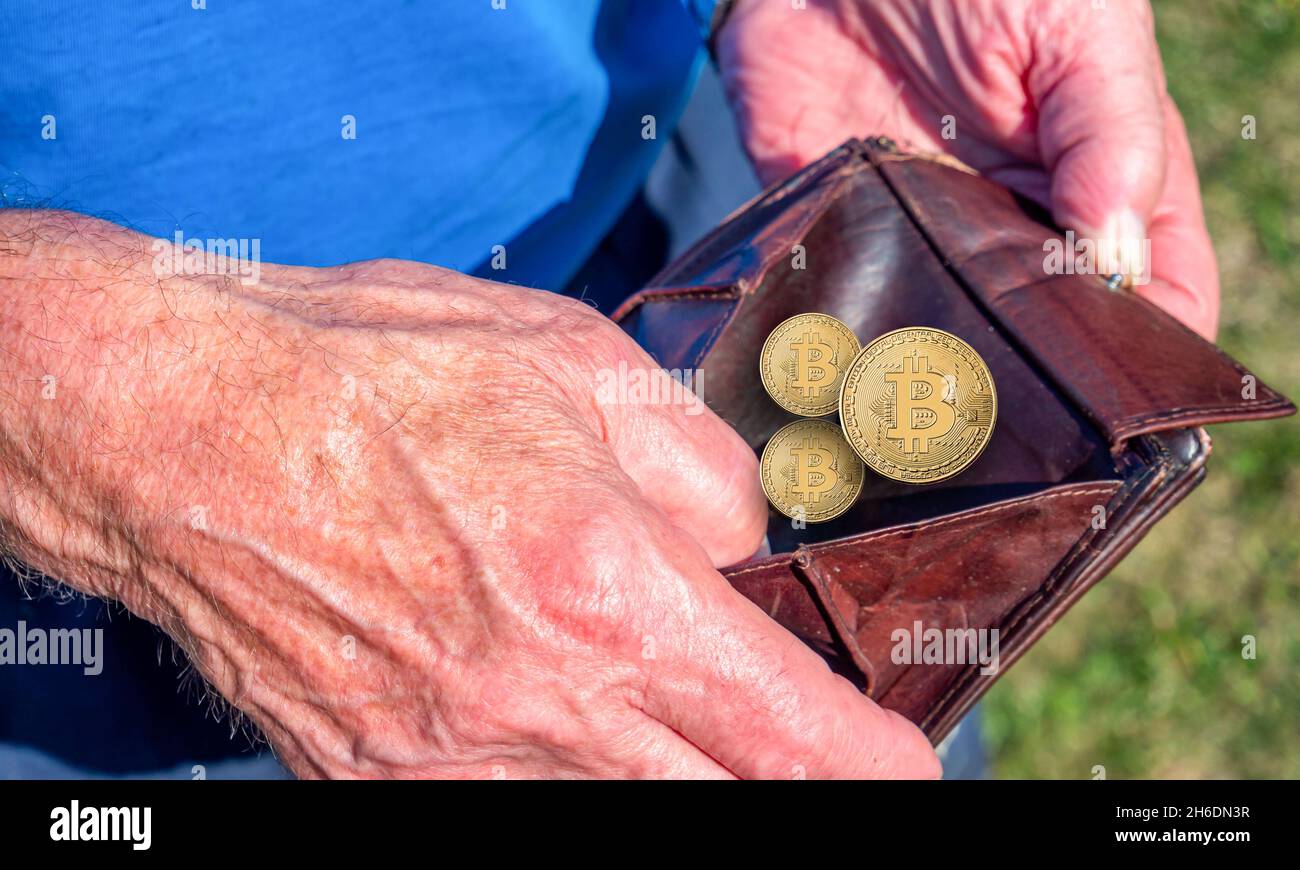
1062,101
392,517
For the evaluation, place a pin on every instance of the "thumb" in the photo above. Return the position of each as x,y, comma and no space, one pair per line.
683,457
1098,87
696,469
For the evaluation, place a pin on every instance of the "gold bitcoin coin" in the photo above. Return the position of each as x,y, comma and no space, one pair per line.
918,405
810,472
803,363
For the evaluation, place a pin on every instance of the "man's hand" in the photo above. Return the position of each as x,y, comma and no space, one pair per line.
386,512
1058,99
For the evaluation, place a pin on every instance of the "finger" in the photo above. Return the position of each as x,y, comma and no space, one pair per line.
752,696
790,112
1101,126
1184,271
684,458
657,752
644,749
699,472
656,758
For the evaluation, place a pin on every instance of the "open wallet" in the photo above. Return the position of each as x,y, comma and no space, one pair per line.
1101,396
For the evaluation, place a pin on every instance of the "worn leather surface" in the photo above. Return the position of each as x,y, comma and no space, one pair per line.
1099,392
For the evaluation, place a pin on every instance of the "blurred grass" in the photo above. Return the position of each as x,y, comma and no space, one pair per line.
1145,675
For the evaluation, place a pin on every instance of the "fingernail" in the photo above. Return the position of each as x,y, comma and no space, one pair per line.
1124,249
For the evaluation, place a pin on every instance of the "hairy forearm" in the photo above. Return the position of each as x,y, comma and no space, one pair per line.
111,377
123,404
195,447
79,313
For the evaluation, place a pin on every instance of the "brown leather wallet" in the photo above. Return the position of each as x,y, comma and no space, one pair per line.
1100,398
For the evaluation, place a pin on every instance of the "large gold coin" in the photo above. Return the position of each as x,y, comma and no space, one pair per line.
810,472
803,361
918,405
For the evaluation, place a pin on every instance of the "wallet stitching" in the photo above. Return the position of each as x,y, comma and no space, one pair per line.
872,537
723,323
995,306
669,294
709,244
1139,489
1119,425
962,518
673,295
1247,405
1027,606
1066,566
924,526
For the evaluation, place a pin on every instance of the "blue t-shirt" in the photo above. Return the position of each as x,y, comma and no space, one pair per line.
329,132
336,132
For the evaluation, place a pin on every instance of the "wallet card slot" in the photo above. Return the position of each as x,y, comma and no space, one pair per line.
1129,366
956,573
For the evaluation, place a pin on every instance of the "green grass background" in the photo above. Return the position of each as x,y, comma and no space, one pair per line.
1145,675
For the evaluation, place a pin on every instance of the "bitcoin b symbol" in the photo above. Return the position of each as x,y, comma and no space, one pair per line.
921,412
813,369
802,363
810,473
813,475
918,405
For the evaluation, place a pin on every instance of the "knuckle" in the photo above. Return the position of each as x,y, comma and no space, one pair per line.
585,333
599,574
622,591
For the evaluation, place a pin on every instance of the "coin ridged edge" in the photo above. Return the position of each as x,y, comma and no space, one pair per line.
853,452
806,412
993,394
